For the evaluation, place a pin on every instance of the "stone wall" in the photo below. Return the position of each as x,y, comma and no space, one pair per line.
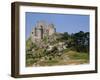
42,29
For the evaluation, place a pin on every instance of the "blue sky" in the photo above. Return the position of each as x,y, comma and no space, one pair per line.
70,23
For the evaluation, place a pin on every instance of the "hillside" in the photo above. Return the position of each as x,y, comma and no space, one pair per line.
55,50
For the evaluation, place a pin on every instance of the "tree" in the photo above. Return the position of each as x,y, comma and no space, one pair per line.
65,36
81,41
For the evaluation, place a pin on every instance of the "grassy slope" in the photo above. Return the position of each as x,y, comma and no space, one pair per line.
68,58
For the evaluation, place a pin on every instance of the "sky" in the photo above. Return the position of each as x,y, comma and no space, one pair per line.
70,23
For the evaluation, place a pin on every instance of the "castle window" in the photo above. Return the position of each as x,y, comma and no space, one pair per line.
32,32
35,32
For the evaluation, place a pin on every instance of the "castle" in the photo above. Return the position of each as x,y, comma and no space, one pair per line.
41,30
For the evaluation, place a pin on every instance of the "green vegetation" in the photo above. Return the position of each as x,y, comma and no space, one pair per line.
79,56
66,49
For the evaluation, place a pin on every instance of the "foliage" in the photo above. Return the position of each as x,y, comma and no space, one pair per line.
76,41
45,39
30,45
81,41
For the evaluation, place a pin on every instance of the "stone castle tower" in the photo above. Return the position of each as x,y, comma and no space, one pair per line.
41,30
